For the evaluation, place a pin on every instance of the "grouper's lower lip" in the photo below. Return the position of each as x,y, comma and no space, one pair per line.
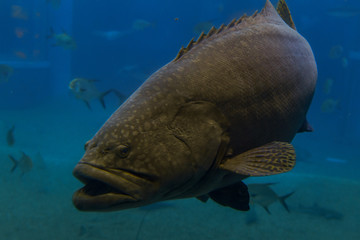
103,190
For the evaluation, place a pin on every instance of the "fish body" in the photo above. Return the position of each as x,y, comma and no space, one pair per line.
336,52
141,24
63,40
114,34
330,105
344,12
262,194
137,25
5,72
10,136
224,109
336,160
328,85
85,90
24,164
19,12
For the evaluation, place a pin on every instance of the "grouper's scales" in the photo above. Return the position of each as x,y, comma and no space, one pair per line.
260,73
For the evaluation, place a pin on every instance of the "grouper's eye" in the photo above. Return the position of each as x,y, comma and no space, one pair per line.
123,150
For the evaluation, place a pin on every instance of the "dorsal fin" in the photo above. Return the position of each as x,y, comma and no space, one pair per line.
284,13
268,10
212,31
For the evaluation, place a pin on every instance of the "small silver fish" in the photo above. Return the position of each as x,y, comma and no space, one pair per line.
328,85
141,24
62,40
344,12
262,194
113,34
330,105
25,163
85,90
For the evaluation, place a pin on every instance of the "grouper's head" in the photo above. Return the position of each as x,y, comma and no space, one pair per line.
134,161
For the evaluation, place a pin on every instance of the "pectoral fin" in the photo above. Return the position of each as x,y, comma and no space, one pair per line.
235,196
16,163
203,198
272,158
202,127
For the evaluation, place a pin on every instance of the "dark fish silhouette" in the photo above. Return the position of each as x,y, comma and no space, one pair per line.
318,211
226,108
10,136
24,164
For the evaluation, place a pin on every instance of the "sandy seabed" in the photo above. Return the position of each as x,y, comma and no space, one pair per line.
38,204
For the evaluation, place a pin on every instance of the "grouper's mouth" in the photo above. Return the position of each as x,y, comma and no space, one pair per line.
105,190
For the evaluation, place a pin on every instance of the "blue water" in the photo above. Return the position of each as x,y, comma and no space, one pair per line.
120,44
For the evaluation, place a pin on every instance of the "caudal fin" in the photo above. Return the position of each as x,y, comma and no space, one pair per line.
15,163
101,98
282,200
120,96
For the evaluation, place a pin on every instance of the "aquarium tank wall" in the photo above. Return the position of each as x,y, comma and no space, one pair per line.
66,66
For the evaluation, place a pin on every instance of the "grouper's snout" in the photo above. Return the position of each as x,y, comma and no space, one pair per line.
106,190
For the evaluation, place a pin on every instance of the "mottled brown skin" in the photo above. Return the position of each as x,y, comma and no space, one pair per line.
246,86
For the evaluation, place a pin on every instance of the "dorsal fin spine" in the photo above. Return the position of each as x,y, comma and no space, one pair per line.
220,28
190,44
201,37
211,31
180,53
231,24
255,14
240,19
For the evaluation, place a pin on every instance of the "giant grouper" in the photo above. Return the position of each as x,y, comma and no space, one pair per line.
226,108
